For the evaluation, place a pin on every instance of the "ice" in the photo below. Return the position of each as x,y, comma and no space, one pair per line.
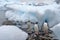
13,15
22,11
56,30
34,13
52,16
10,32
42,13
25,14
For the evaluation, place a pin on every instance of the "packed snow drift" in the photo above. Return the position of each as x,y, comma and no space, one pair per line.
10,32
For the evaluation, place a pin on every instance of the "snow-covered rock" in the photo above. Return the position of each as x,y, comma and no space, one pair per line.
10,32
56,30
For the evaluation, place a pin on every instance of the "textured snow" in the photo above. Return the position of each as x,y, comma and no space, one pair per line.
10,32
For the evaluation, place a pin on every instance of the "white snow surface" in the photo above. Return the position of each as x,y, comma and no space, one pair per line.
56,30
10,32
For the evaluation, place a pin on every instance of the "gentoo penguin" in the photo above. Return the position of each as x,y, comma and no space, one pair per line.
36,29
45,28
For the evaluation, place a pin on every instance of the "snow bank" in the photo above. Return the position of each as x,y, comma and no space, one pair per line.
56,30
9,32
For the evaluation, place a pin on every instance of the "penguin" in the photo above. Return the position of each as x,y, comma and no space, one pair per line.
45,28
36,29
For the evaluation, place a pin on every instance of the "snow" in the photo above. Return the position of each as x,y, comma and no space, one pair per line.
37,13
34,13
25,12
13,15
19,16
56,30
10,32
25,2
52,16
32,8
